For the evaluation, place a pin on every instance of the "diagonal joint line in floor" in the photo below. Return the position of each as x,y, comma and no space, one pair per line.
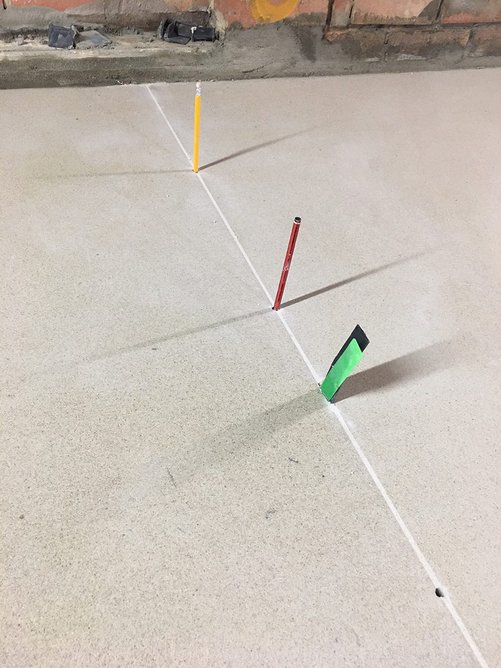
340,418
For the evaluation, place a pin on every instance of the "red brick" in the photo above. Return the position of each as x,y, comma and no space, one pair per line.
358,43
393,12
240,13
234,13
486,41
471,11
123,13
341,13
424,44
94,12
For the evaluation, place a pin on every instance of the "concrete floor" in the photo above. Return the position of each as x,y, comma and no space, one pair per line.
175,489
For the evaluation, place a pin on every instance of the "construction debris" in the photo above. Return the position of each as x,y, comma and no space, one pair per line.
92,39
182,33
61,37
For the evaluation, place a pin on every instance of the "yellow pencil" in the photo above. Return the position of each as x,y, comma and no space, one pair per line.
196,126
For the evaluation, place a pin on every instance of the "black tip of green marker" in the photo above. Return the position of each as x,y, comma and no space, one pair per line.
345,361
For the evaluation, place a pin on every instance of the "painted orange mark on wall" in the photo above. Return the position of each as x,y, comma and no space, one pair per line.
268,11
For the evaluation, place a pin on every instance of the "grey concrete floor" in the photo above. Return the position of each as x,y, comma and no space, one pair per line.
175,489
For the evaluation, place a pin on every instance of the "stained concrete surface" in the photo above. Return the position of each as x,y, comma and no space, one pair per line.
175,488
268,50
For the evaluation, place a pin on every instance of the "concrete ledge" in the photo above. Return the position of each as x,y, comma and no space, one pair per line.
269,51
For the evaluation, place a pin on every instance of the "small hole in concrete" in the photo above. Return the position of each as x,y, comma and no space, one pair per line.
439,592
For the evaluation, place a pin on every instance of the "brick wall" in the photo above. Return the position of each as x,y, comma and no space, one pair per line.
366,30
414,12
36,14
414,29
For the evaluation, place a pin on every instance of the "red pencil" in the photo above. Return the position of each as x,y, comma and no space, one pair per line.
287,263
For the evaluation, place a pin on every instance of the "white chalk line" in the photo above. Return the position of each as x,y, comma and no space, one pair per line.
168,123
335,410
214,203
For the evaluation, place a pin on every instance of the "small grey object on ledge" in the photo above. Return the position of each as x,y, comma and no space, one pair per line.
90,39
61,37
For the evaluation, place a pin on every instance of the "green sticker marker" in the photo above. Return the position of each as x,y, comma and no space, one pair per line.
344,363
